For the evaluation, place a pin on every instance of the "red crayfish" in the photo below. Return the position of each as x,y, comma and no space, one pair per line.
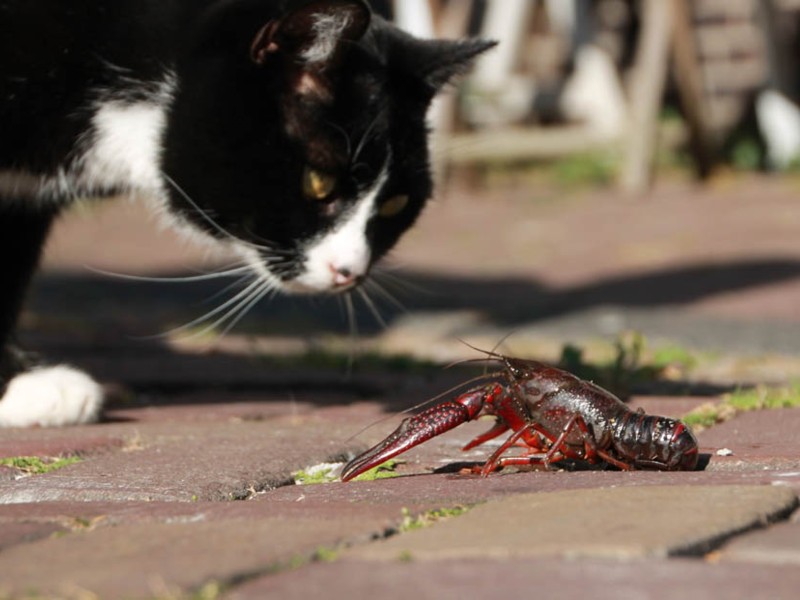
554,415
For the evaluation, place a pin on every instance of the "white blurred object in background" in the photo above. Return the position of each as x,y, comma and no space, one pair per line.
779,121
594,94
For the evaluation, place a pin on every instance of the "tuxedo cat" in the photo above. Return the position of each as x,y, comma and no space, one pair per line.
290,132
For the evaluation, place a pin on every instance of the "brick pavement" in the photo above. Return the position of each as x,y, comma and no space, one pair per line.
185,487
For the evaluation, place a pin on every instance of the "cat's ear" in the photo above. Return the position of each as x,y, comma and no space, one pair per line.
439,61
314,33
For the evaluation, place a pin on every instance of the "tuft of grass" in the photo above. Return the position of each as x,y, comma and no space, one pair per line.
405,556
762,397
746,154
212,590
743,400
321,473
326,554
591,168
702,417
411,522
631,364
34,465
382,471
328,472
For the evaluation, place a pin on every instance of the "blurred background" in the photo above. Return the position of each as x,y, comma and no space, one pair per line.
619,180
705,83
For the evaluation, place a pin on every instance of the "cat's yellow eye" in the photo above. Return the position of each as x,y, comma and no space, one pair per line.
317,185
393,206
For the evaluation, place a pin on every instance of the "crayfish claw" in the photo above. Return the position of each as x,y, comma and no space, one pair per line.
411,432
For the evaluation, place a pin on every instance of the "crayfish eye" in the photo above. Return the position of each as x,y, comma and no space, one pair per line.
515,370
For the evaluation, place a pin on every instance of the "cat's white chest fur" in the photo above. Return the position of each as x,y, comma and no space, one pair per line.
119,152
125,148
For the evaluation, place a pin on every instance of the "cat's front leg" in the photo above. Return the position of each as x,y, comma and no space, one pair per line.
50,397
31,394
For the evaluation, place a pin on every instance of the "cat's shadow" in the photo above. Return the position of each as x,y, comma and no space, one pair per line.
90,321
143,308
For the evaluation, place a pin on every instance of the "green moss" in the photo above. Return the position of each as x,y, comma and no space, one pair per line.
325,554
746,154
765,397
591,168
673,355
34,465
322,473
702,417
411,522
405,556
382,471
328,472
211,590
744,400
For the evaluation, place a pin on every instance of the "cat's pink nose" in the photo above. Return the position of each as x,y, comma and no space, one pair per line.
344,277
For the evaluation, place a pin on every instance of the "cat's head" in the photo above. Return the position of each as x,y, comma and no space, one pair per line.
303,135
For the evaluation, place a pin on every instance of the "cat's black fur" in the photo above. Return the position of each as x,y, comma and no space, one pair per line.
219,109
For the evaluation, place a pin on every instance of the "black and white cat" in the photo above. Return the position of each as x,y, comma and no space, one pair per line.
291,132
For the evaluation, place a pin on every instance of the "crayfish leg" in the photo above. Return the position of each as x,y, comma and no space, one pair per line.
591,451
521,437
615,462
498,429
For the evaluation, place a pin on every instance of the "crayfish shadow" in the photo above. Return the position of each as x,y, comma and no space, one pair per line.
569,466
703,459
565,465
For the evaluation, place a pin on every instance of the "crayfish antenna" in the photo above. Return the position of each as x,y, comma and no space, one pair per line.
465,361
493,352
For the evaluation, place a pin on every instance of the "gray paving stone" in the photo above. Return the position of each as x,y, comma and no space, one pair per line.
780,544
758,440
87,440
78,515
187,461
13,533
673,579
604,523
149,559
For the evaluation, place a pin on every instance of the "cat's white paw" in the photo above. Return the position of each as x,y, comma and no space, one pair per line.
51,397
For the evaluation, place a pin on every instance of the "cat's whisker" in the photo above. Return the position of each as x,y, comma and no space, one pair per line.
246,306
238,282
208,217
245,293
373,308
386,295
339,129
269,247
365,138
400,283
181,279
353,330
